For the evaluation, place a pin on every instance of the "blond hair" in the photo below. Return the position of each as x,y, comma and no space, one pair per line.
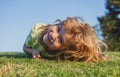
85,45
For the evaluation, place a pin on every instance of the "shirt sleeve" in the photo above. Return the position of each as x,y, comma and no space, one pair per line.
32,38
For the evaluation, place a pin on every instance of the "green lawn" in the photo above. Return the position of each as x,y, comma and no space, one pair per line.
14,64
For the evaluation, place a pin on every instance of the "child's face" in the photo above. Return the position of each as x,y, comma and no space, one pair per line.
57,38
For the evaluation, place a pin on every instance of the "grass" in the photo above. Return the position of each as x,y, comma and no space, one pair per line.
18,64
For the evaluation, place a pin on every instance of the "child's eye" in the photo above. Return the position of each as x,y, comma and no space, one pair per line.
58,28
61,40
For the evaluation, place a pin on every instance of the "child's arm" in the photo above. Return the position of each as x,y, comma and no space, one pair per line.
34,53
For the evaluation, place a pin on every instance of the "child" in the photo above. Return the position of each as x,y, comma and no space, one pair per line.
69,39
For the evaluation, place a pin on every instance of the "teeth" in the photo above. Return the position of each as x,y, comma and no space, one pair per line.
51,41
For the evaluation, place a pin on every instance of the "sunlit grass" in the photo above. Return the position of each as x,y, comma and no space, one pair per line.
13,64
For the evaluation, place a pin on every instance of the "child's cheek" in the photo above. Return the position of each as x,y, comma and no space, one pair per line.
57,45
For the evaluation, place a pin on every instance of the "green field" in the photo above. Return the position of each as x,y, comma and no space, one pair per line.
18,64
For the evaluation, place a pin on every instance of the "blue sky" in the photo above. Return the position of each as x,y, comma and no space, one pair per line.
18,16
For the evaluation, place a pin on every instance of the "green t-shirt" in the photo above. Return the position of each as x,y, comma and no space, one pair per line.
32,39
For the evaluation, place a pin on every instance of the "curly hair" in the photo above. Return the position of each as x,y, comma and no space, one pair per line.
85,45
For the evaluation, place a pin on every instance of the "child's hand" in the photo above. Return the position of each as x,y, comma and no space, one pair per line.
36,54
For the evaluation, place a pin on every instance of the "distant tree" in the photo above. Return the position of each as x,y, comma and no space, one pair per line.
110,25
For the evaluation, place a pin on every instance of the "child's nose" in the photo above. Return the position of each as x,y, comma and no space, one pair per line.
55,35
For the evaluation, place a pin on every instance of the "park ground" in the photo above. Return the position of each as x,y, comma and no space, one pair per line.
18,64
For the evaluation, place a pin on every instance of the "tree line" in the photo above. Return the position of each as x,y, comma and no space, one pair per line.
109,25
